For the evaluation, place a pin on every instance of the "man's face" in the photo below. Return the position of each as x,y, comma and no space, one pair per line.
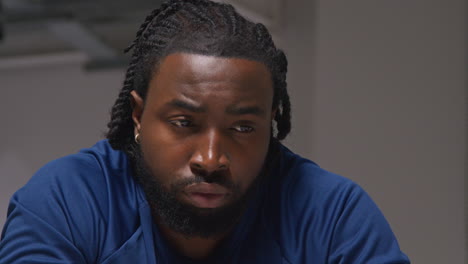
205,128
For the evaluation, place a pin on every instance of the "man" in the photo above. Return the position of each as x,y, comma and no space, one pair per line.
192,170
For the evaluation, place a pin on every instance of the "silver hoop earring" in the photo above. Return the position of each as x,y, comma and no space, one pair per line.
137,138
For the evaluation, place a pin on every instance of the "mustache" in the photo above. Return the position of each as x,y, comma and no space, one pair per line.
214,178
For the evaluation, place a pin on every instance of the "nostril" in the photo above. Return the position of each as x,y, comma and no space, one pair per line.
198,170
196,165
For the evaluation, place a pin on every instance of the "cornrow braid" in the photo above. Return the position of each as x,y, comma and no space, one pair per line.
201,27
120,125
283,114
145,24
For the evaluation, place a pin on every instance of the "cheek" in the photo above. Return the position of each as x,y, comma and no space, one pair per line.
248,162
164,155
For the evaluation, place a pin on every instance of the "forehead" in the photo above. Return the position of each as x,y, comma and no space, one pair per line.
198,75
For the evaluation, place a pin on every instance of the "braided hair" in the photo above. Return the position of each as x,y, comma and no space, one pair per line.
200,27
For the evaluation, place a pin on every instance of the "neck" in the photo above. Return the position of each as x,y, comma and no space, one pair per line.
192,247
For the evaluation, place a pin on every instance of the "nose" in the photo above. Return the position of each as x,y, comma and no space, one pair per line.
209,156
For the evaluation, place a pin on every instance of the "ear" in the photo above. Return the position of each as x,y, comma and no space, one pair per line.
137,112
273,113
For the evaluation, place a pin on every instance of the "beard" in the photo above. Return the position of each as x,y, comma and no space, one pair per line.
187,219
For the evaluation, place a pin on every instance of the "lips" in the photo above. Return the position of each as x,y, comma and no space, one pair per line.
206,195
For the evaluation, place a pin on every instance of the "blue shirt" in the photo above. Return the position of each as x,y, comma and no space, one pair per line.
87,208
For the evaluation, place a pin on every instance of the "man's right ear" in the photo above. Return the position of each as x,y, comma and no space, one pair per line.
137,106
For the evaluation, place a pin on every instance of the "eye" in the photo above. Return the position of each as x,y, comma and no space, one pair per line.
243,129
181,123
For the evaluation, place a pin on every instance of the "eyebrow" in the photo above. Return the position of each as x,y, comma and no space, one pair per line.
231,110
186,105
248,110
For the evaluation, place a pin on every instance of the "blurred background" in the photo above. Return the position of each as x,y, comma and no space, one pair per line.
378,89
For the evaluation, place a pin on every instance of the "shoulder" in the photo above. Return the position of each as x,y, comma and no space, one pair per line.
305,185
84,197
317,213
73,178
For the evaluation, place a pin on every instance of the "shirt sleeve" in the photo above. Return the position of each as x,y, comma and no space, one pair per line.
27,238
55,218
361,233
326,218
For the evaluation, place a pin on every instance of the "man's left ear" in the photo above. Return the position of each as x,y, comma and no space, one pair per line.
273,113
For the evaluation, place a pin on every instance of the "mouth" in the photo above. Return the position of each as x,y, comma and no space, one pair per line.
206,195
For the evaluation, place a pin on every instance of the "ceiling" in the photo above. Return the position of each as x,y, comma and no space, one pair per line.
99,28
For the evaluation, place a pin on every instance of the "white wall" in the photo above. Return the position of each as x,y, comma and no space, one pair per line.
379,90
49,110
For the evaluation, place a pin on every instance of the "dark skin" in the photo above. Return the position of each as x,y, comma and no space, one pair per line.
204,115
